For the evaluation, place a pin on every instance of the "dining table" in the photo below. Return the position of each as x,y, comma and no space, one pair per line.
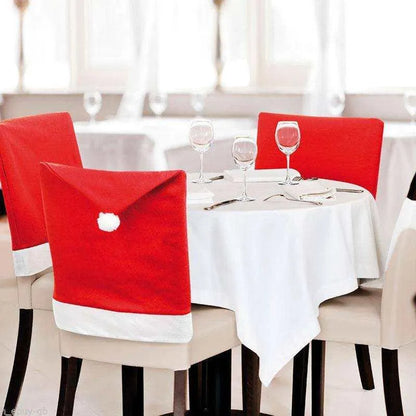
273,262
157,143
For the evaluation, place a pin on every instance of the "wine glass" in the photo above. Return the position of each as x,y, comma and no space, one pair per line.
198,102
201,136
158,102
410,104
287,137
244,154
337,103
92,104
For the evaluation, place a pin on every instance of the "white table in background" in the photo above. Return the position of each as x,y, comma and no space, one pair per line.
141,144
274,262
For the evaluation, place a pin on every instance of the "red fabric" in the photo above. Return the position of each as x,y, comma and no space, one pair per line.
24,143
344,149
142,266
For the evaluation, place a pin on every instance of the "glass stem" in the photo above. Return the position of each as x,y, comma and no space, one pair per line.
287,168
245,184
201,166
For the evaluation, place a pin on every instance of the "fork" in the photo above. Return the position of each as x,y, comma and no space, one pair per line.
292,199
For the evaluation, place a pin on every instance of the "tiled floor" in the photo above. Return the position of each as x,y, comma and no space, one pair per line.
99,391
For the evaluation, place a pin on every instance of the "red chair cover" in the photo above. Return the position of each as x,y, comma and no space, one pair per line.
24,143
119,251
338,148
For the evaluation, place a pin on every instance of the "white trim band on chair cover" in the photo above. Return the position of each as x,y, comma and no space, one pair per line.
406,220
32,260
122,325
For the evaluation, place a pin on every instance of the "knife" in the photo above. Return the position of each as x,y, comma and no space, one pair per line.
216,178
350,190
219,204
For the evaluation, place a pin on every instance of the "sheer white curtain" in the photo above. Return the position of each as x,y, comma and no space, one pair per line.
325,95
174,46
143,72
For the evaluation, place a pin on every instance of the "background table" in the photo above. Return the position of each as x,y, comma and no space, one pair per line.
155,143
274,262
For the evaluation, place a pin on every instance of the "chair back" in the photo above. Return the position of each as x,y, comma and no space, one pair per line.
398,318
338,148
24,143
120,255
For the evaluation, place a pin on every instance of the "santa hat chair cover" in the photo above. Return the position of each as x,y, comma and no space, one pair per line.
119,250
24,143
339,148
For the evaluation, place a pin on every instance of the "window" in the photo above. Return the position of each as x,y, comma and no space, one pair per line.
101,44
266,44
380,45
46,45
288,35
9,21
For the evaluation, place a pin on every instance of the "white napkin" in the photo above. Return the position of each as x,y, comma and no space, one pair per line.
259,175
309,191
201,196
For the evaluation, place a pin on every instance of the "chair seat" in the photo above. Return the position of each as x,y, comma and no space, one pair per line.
353,318
214,331
42,291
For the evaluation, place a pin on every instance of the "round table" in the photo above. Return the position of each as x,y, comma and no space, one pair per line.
274,262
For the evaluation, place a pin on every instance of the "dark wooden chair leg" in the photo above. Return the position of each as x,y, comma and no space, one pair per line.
364,366
132,386
251,382
179,400
73,372
62,386
20,360
219,384
391,383
318,377
300,376
198,388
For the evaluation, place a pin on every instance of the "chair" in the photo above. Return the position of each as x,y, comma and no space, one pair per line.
338,148
381,317
343,149
24,142
122,286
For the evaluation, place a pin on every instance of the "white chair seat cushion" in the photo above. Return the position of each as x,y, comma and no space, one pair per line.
214,331
353,318
42,292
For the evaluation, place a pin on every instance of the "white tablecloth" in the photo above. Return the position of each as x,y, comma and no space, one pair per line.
274,262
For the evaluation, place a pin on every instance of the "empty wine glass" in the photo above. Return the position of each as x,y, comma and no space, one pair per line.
198,102
337,103
287,137
244,154
158,102
410,104
92,104
201,136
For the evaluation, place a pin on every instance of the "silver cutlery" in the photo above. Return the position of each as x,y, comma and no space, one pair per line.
350,190
299,178
220,204
216,178
292,199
